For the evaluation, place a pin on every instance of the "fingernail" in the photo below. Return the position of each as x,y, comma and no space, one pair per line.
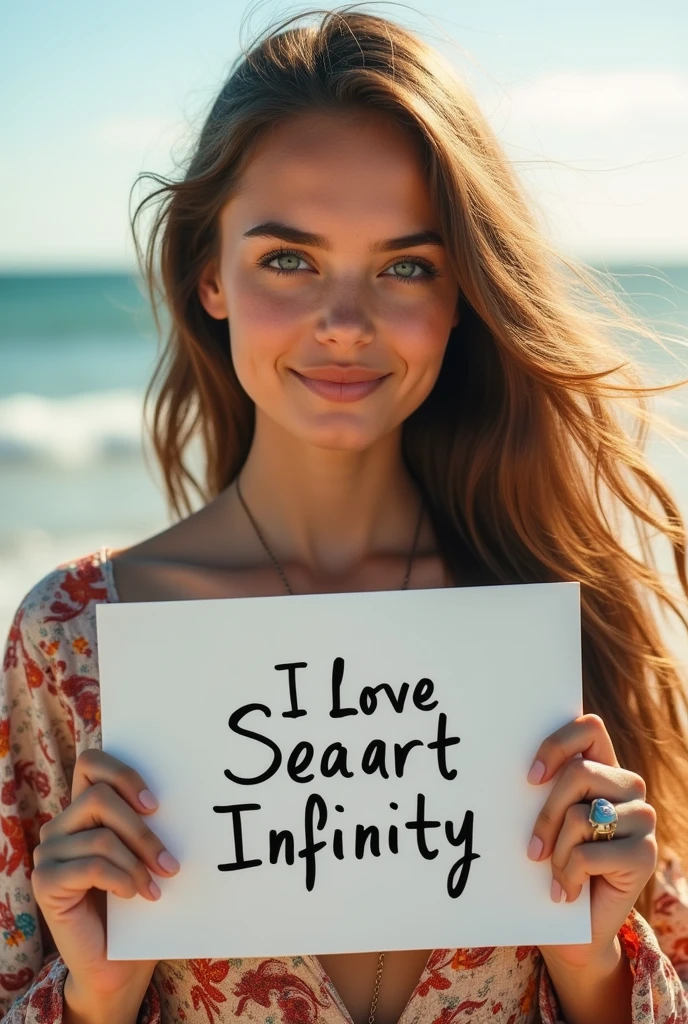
536,772
535,847
167,862
154,890
557,893
147,799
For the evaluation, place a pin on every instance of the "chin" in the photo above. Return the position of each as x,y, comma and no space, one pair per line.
351,442
351,437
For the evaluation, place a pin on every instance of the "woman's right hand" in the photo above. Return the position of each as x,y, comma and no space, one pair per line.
100,843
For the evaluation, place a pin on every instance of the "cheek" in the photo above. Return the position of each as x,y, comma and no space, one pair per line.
267,308
263,328
420,338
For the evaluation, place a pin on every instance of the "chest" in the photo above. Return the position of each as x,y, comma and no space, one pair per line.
481,984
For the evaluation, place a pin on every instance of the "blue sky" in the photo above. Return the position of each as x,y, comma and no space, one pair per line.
589,100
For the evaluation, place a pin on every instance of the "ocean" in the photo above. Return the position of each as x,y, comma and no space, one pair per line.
76,352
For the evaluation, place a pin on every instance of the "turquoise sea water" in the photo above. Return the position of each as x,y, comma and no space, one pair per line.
76,352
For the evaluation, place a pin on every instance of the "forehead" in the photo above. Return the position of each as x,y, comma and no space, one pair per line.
363,171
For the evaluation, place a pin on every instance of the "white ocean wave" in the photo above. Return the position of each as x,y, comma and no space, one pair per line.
75,430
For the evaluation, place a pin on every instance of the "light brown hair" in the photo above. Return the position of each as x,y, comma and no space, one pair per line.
521,448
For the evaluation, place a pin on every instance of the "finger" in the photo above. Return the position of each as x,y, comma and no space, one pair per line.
636,819
101,805
100,842
633,859
580,780
586,735
55,881
94,765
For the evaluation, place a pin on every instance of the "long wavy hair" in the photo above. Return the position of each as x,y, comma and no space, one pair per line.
523,450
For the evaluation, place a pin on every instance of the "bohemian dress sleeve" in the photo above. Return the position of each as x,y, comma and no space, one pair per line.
50,713
50,708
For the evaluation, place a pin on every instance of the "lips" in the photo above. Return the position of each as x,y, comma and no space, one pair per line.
342,374
341,383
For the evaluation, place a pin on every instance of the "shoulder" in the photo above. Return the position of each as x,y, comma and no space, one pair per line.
63,596
53,630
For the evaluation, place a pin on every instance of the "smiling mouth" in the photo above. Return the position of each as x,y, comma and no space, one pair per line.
340,390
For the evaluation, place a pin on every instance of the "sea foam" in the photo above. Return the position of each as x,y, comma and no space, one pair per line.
75,430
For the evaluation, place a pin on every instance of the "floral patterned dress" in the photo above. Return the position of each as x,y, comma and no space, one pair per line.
50,712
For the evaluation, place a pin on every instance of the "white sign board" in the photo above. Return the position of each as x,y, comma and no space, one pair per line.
342,772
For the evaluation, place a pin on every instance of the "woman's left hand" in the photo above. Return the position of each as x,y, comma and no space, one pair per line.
618,867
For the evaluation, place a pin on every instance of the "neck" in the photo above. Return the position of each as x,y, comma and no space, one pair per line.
329,509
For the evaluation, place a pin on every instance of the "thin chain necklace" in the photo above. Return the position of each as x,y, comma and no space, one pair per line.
376,989
404,585
279,568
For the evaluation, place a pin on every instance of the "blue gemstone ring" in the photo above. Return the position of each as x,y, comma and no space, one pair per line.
603,818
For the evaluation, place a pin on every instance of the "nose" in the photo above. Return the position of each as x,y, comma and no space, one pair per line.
345,325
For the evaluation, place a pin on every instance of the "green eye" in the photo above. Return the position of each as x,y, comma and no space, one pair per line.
429,270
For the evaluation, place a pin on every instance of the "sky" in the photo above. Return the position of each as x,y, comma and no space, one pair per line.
589,100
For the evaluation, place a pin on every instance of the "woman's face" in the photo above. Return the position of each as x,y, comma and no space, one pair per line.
343,307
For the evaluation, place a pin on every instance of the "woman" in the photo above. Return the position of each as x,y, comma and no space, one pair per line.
394,386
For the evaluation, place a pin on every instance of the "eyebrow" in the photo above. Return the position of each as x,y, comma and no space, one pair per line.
275,229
